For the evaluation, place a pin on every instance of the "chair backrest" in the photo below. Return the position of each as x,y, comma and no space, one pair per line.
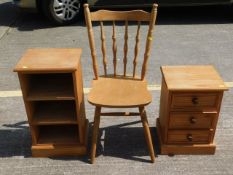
106,15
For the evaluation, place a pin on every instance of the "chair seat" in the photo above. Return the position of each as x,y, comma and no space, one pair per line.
119,93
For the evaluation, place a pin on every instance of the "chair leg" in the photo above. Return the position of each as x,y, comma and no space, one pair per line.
95,133
147,132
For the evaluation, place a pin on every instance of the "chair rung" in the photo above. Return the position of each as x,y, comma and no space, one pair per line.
120,114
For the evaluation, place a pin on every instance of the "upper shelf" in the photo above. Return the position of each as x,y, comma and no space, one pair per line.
50,87
49,59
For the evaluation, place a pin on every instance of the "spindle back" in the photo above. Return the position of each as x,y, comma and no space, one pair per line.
134,15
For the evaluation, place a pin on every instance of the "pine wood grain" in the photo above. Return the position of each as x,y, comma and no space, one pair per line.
171,149
190,103
120,91
112,92
115,16
103,47
187,120
194,100
133,15
188,136
51,83
91,40
125,47
50,87
114,48
58,135
95,133
55,113
149,40
195,78
49,59
136,49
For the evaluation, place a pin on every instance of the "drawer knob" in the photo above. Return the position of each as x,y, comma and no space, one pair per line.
193,120
195,100
190,137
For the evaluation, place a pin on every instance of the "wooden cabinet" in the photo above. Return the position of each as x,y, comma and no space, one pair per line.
189,109
51,83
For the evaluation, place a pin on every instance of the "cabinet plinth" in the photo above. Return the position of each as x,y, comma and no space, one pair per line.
190,103
52,88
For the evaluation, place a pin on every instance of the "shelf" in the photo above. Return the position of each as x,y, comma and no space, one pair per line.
58,135
50,87
51,150
55,112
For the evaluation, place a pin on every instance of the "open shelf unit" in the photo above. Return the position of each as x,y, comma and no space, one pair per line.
53,98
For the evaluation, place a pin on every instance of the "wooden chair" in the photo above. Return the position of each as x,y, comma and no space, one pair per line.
120,91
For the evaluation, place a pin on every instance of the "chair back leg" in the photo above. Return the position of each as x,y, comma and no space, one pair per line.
95,133
147,132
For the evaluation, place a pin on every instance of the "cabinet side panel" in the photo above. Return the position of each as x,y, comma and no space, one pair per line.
215,120
29,106
78,88
164,110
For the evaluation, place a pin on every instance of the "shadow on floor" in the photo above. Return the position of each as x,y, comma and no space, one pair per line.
15,141
22,20
120,141
126,142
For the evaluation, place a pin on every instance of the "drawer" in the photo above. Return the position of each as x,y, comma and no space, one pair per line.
194,100
191,120
189,136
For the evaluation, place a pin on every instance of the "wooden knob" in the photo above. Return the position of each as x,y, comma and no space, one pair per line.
189,137
193,120
195,100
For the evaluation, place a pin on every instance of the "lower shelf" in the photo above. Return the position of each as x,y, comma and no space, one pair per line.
170,149
58,151
58,134
55,145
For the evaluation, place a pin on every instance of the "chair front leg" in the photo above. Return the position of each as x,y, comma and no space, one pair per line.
95,133
147,132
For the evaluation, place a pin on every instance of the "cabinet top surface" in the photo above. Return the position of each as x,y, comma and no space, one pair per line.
49,59
192,78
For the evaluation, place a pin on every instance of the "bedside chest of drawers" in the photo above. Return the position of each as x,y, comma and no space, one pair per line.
189,108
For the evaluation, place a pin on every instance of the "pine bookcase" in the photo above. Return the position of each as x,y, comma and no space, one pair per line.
52,88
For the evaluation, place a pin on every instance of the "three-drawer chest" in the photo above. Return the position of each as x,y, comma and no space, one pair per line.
189,109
